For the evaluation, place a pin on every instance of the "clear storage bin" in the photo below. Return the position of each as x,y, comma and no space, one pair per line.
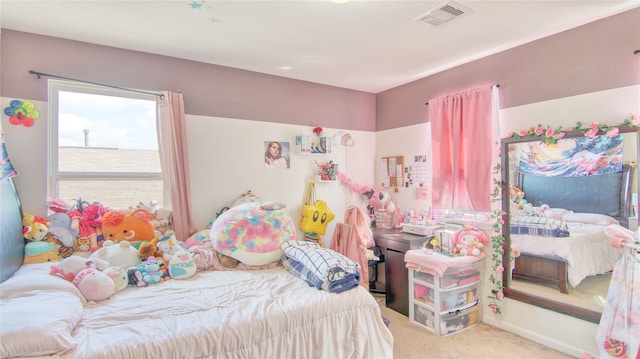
453,276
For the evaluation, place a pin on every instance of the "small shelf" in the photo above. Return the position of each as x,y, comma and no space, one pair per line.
313,145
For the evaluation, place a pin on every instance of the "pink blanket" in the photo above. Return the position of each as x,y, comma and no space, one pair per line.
427,261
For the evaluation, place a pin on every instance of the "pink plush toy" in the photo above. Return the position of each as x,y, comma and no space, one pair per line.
469,242
69,267
94,285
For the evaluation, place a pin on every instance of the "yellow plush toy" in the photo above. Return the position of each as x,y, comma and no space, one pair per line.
35,228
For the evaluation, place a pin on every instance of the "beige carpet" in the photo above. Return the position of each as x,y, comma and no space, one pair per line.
479,342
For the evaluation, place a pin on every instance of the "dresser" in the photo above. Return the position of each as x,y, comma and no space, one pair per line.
394,244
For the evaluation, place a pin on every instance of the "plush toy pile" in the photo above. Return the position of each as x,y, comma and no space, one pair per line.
102,251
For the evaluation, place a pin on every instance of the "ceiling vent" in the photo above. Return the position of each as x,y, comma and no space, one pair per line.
443,13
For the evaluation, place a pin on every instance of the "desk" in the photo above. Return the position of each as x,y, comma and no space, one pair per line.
394,244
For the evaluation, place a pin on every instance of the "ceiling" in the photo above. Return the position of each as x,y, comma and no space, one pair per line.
365,45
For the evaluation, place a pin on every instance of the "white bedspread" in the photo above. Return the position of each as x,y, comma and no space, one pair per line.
232,314
587,250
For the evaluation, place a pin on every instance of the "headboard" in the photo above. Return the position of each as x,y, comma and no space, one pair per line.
11,236
608,194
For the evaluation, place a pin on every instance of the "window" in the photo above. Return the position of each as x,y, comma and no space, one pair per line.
103,146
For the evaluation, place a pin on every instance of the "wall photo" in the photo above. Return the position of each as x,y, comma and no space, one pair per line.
276,155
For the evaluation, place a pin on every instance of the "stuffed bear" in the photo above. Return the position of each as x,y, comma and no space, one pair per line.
162,221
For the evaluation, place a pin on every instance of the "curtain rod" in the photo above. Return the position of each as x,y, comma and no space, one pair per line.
496,85
39,74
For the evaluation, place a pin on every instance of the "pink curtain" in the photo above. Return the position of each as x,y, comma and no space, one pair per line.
461,125
175,162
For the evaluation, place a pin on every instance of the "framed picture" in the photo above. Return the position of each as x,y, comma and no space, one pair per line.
313,145
276,155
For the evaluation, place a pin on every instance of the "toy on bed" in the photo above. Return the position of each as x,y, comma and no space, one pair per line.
94,284
68,268
149,249
41,252
134,226
34,228
469,242
252,232
122,254
182,265
162,222
150,270
86,220
169,245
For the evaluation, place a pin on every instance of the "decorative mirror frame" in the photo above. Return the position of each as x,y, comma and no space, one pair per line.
504,219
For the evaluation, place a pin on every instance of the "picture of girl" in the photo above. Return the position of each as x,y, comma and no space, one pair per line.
276,154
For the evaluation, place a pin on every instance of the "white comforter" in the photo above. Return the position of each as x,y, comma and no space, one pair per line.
225,314
587,251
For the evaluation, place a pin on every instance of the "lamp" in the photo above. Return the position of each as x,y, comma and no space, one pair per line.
634,203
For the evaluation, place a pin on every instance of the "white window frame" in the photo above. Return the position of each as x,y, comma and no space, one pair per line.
55,86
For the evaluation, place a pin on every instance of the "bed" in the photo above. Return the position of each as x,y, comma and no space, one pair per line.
560,260
259,313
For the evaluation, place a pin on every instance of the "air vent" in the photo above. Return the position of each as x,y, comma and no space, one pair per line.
443,13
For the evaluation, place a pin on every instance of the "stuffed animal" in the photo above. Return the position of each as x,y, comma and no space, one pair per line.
469,242
182,265
34,228
41,252
62,250
149,249
169,245
119,277
94,285
82,244
135,277
69,267
85,219
150,270
253,232
162,221
122,254
60,226
134,226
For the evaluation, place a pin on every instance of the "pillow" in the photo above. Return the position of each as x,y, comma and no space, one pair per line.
34,277
39,323
556,213
539,226
590,218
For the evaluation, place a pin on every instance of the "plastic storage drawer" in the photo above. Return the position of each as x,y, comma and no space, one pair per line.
458,320
453,276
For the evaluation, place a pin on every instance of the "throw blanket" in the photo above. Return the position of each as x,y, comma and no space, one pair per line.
312,263
427,261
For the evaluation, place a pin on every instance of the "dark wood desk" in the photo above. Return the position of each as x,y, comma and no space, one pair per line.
394,244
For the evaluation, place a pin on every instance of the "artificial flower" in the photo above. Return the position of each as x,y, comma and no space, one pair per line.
318,131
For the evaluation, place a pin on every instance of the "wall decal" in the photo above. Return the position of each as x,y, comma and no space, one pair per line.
21,113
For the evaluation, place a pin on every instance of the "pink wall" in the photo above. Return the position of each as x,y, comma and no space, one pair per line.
594,57
209,90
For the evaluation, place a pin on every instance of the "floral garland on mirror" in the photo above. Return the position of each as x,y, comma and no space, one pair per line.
547,134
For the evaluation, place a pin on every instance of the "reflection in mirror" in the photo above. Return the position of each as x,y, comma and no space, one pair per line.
558,198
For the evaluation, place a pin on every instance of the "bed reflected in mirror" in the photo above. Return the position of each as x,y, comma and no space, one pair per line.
559,198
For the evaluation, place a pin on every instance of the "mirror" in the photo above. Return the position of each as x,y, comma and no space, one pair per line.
540,278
